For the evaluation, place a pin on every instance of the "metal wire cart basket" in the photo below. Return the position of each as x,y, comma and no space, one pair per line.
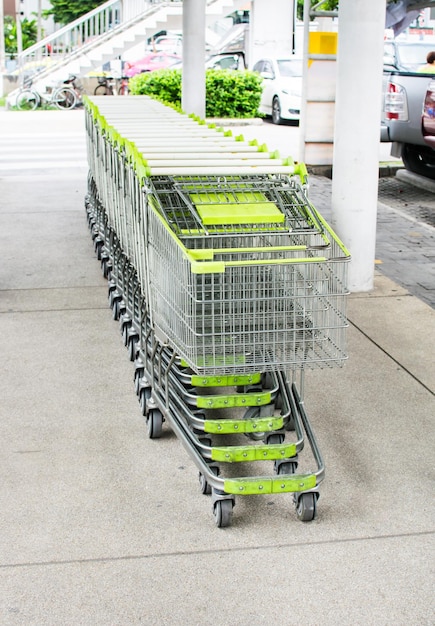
227,283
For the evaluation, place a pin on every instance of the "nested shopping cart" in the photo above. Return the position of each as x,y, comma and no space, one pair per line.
227,284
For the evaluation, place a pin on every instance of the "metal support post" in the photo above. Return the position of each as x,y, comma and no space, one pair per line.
356,145
193,72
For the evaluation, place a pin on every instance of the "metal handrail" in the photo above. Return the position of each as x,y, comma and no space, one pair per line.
86,32
107,19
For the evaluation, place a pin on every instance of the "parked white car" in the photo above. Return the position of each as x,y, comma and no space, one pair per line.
282,87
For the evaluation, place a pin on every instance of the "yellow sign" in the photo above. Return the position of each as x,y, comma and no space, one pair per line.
322,43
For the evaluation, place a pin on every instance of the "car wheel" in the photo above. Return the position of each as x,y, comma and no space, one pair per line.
419,159
276,111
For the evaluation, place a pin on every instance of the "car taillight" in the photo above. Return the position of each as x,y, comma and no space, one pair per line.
396,106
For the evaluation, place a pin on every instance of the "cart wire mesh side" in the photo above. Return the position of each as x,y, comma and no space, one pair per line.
235,297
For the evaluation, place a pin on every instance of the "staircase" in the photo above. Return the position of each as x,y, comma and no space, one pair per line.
106,33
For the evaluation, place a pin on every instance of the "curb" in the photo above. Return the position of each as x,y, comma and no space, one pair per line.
389,169
236,121
386,170
422,182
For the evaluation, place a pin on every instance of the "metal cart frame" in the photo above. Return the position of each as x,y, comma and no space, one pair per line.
227,284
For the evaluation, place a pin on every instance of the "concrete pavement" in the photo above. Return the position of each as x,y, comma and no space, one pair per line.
102,526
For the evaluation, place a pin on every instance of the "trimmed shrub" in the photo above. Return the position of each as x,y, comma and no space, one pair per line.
164,85
231,93
228,93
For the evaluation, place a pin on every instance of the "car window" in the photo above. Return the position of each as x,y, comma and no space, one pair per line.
227,63
268,67
289,67
258,67
411,56
389,56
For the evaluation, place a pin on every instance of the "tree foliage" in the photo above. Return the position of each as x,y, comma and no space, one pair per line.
28,34
66,11
328,5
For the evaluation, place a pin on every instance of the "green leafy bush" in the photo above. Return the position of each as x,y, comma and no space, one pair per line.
232,93
164,85
228,93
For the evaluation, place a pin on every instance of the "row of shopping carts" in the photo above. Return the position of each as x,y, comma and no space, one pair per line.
227,284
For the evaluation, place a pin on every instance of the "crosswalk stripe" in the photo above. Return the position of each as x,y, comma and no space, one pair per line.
31,147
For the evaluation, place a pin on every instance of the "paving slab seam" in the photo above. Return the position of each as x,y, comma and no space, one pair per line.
232,549
391,209
374,296
405,369
40,177
13,136
26,311
35,289
39,212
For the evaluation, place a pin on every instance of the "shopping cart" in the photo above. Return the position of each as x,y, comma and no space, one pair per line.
227,283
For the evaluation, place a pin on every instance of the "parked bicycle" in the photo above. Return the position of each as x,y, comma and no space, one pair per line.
109,86
66,96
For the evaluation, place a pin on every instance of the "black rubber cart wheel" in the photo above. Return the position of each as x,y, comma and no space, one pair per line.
306,507
154,424
223,513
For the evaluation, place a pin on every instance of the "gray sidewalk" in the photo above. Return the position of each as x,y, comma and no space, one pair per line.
102,526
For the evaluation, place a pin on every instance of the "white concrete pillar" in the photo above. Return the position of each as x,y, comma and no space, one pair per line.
271,28
356,142
193,72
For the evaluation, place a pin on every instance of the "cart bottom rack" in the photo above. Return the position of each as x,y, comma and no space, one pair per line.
226,287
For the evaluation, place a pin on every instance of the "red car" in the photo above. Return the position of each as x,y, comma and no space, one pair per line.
153,61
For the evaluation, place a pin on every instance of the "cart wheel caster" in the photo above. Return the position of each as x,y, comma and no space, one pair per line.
249,389
204,485
252,413
116,309
223,513
144,396
98,248
275,438
125,327
154,424
287,467
306,506
105,267
111,293
205,441
132,347
138,374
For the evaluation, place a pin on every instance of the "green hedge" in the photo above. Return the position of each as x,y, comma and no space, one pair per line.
228,93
